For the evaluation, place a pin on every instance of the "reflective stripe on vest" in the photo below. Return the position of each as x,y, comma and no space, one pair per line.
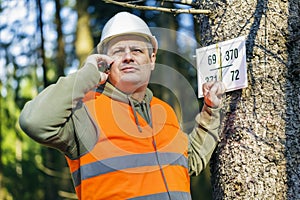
126,162
165,195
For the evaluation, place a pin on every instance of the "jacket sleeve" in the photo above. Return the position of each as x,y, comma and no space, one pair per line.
51,117
203,139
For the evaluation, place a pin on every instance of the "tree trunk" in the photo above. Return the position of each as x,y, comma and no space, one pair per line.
84,41
167,59
42,47
292,149
258,156
1,164
61,55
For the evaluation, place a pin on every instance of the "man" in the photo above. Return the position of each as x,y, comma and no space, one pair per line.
120,141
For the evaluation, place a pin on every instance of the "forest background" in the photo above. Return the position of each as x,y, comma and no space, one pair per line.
42,40
258,154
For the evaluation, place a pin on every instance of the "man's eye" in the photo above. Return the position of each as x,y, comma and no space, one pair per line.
138,50
117,51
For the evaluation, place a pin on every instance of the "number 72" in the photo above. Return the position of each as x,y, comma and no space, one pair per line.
235,75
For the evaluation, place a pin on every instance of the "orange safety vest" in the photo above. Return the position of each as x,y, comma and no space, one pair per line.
128,164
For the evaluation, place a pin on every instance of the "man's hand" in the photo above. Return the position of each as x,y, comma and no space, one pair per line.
213,92
95,59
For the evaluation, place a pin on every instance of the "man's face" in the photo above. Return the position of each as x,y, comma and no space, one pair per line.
132,65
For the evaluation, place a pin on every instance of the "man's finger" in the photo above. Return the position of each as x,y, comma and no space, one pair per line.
206,87
220,89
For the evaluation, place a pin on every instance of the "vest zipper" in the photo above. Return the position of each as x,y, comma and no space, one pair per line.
160,167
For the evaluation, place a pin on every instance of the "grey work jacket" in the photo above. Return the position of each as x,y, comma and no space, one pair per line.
57,113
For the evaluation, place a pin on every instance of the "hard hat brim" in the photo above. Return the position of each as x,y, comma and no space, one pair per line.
150,38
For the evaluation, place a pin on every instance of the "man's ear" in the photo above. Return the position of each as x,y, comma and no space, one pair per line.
152,60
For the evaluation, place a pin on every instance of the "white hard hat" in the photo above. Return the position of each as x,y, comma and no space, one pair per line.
124,23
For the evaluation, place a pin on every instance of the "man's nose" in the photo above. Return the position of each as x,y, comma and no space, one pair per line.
127,57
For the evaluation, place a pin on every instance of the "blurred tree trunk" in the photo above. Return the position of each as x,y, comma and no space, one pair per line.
258,156
53,162
42,48
84,41
1,164
61,55
167,58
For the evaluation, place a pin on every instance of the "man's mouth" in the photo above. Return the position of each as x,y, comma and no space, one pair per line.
128,68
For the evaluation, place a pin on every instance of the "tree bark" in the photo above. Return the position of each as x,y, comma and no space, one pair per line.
292,150
258,156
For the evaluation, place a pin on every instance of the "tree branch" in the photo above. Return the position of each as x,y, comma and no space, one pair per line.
162,9
182,2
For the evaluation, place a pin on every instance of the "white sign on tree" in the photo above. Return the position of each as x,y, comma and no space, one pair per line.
224,61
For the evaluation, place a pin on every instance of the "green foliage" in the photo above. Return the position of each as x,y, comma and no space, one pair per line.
27,88
17,153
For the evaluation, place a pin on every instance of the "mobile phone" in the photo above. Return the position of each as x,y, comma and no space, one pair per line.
103,66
